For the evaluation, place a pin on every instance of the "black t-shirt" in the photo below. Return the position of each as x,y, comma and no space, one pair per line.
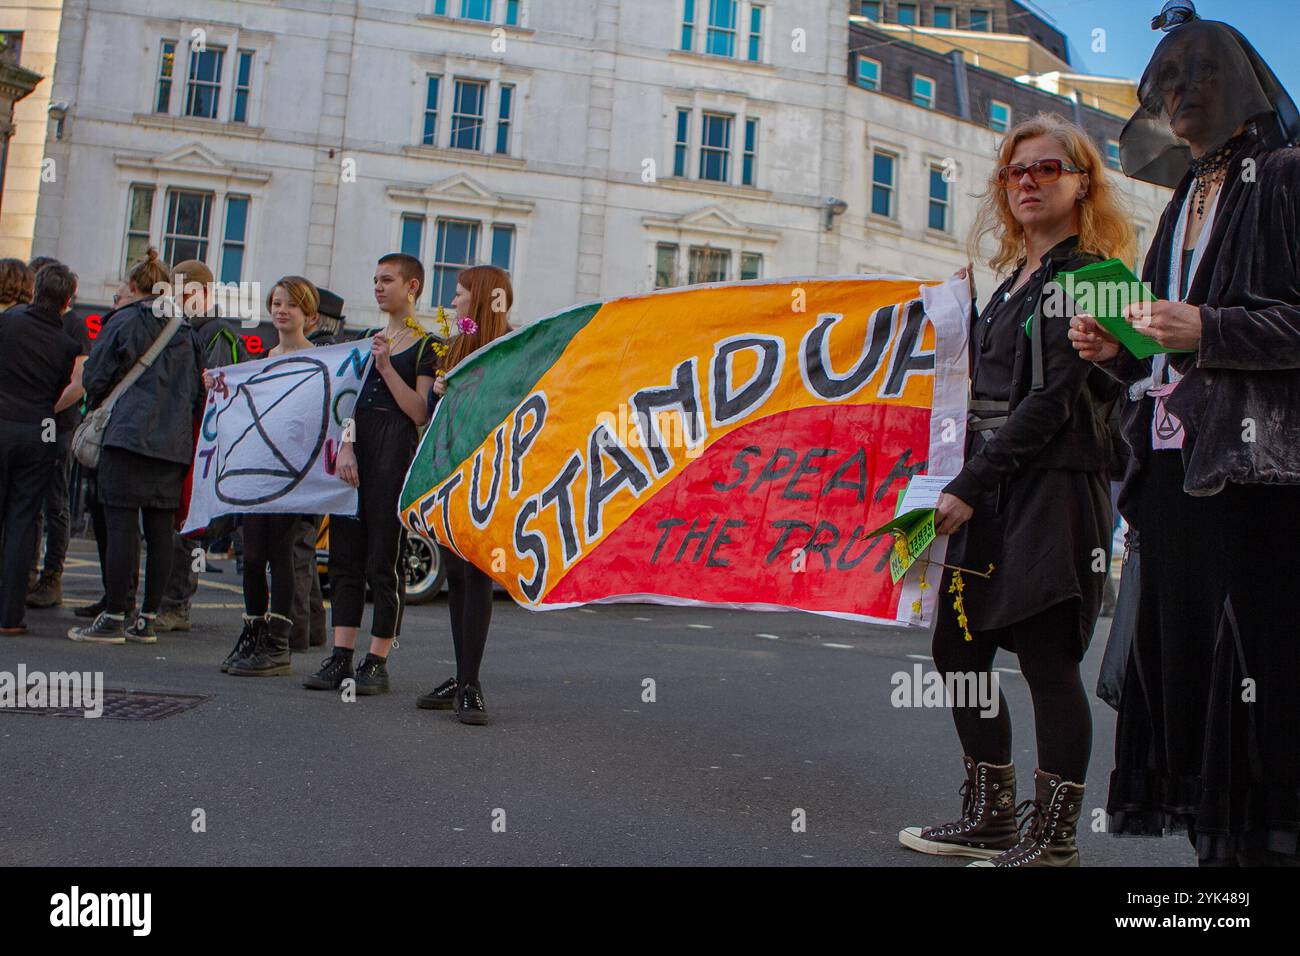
75,328
375,394
36,360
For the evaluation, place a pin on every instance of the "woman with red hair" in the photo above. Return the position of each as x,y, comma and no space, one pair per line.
482,301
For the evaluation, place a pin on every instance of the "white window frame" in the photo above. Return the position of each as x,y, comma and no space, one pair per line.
232,40
930,200
858,77
993,104
896,157
919,77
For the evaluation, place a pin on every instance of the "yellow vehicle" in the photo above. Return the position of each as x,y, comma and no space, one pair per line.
424,577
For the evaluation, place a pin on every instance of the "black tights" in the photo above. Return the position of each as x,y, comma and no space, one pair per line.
122,555
269,541
469,595
1046,645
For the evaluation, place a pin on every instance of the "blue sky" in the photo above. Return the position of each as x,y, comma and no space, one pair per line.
1271,25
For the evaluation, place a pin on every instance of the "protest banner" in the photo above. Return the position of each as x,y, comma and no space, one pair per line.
270,435
724,445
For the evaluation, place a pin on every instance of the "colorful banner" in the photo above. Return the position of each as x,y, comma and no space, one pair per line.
724,445
270,435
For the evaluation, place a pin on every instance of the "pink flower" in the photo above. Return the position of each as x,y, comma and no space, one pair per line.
467,325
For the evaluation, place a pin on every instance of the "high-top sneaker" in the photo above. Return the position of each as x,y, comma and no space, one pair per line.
141,630
987,825
247,640
372,675
334,670
271,655
1051,820
105,629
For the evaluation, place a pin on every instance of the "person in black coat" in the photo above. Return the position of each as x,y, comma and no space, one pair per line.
220,345
36,362
1206,740
148,447
1031,502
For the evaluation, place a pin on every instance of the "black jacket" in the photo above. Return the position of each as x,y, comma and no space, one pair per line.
155,416
1062,424
1245,377
36,360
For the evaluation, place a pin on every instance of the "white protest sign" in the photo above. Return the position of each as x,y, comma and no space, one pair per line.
271,433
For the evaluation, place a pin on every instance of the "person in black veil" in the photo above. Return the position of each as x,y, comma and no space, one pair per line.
1207,738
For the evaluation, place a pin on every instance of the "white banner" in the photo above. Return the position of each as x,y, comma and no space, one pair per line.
271,432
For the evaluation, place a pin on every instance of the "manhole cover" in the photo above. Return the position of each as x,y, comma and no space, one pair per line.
124,705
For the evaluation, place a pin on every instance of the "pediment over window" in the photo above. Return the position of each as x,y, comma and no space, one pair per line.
460,190
192,159
712,220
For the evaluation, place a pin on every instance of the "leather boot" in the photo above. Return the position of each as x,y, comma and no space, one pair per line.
48,591
987,825
247,641
1052,820
271,656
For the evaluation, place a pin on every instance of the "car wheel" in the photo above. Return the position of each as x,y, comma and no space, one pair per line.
425,572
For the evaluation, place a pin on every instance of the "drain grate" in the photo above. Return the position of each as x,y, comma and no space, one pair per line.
125,705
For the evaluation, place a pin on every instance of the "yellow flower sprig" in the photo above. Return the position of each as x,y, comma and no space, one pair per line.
956,588
439,346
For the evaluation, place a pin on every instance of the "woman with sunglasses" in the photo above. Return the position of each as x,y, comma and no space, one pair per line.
1032,501
1206,740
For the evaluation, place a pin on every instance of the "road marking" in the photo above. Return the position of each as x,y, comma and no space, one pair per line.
844,647
770,637
920,657
586,610
701,627
641,619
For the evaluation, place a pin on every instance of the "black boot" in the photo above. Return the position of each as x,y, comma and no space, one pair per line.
334,670
247,640
442,697
92,611
270,658
372,676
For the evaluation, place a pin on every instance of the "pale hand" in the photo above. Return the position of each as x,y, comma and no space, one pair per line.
209,382
382,352
347,465
440,385
1175,325
1090,340
951,513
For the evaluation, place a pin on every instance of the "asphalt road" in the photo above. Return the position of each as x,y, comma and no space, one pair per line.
755,717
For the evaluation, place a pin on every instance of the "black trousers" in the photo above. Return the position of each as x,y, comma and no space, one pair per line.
123,554
367,549
308,602
469,598
25,463
54,517
1047,645
183,580
269,543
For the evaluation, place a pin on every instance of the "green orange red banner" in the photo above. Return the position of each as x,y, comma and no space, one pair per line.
724,445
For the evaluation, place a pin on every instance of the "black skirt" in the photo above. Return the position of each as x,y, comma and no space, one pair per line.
128,480
1208,735
1052,531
